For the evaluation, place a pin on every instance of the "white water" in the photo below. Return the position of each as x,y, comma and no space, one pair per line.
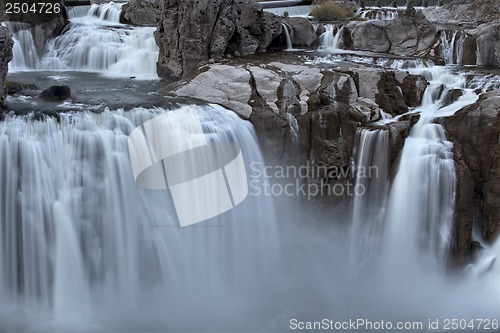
288,38
25,54
95,42
331,39
379,13
452,46
81,244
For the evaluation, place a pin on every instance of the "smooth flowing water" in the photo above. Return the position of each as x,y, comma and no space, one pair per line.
83,248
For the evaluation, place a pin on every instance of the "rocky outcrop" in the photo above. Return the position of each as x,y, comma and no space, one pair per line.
308,115
192,32
303,33
475,133
408,35
44,25
144,13
5,56
488,44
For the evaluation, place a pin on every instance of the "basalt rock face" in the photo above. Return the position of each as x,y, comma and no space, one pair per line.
144,13
307,115
475,133
5,56
192,32
407,35
45,24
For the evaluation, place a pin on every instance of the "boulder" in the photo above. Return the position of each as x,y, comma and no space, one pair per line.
303,33
369,36
56,93
190,33
408,35
475,133
144,13
6,44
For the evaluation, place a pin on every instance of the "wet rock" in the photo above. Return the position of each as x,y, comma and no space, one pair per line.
6,44
475,133
413,88
144,13
56,93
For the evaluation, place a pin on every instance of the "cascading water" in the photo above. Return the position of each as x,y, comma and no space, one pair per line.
287,37
371,174
452,44
25,54
331,39
77,236
95,42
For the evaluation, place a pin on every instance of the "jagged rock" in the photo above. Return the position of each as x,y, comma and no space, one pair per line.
144,13
303,33
56,93
6,44
413,87
475,133
190,33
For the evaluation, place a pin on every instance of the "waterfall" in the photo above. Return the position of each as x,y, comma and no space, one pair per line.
107,12
332,37
25,54
94,42
371,175
421,203
287,36
78,237
452,46
379,14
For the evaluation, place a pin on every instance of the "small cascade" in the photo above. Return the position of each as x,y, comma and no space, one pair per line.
452,46
288,103
77,11
107,12
372,180
332,38
288,38
378,14
25,54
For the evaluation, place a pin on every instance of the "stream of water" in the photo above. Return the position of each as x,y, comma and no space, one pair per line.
83,248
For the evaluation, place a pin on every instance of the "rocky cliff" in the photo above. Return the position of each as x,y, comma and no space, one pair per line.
475,133
192,32
5,56
141,12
